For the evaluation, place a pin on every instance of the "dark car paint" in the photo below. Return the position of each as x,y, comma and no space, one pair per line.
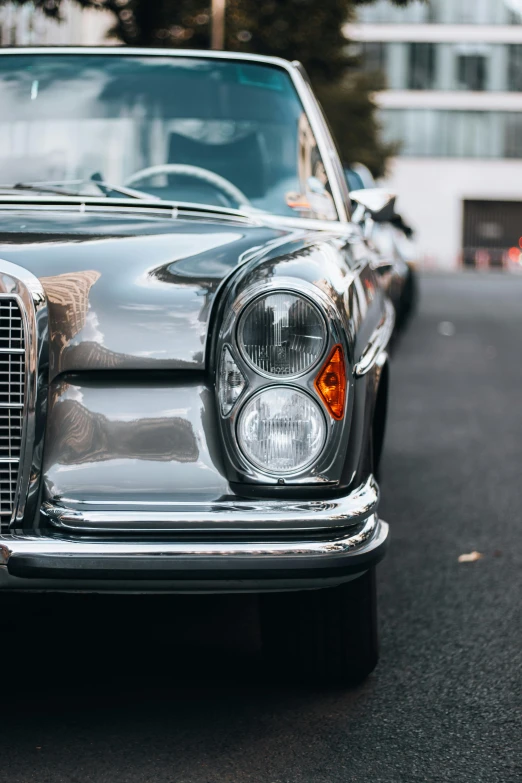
132,300
144,285
129,441
332,264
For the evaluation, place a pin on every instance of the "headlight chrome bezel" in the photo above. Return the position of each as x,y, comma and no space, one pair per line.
325,468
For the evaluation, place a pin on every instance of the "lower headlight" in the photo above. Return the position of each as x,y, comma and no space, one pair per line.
281,430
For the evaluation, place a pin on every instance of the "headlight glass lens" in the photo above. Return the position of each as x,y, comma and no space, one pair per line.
282,334
281,430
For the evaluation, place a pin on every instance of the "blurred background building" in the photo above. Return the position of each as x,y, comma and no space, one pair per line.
453,100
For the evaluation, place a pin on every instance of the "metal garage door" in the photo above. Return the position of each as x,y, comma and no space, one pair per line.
491,230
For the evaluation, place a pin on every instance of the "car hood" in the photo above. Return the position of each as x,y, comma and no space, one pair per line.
129,291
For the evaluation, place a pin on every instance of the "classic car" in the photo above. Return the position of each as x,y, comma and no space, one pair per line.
193,344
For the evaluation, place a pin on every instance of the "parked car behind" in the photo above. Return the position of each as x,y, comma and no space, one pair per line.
193,344
394,241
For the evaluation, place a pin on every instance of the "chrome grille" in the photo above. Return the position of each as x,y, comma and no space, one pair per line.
12,371
12,397
11,325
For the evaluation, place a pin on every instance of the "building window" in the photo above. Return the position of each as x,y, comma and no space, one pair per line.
421,66
513,136
515,68
471,67
454,134
443,12
471,72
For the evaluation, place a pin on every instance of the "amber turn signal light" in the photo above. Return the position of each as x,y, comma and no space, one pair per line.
331,383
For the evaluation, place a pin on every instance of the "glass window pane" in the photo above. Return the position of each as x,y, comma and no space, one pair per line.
472,72
454,134
468,66
515,68
513,136
421,71
67,117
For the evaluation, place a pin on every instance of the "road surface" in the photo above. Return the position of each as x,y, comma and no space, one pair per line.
171,689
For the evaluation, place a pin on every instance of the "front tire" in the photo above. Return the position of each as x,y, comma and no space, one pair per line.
327,635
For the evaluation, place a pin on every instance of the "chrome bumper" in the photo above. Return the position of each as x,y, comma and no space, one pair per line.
255,517
348,539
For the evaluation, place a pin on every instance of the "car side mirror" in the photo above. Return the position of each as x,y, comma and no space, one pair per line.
377,203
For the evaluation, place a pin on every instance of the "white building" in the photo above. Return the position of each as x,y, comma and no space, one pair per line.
26,26
454,101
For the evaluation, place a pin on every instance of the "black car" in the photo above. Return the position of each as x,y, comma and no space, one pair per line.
193,344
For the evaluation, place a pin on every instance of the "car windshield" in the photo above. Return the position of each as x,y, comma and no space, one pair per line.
187,129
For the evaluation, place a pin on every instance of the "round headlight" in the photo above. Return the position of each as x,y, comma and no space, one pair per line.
282,334
281,430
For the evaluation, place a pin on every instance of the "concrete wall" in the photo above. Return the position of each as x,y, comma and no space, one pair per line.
431,194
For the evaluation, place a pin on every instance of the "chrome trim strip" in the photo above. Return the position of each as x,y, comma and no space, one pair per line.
13,298
325,142
173,210
89,551
122,51
377,343
164,209
238,515
22,284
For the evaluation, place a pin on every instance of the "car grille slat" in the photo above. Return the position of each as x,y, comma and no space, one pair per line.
12,400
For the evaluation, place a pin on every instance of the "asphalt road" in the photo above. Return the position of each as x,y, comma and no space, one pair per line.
171,689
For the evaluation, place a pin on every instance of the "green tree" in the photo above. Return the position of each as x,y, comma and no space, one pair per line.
307,30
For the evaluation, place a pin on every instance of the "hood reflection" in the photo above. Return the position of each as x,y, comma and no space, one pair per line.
84,436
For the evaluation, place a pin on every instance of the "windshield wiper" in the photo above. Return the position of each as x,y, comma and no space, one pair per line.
106,188
40,187
55,186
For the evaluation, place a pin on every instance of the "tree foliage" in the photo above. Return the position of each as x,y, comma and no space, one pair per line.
306,30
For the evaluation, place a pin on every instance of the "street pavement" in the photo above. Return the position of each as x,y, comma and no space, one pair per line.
140,689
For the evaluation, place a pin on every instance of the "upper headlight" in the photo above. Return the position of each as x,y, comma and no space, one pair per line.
282,334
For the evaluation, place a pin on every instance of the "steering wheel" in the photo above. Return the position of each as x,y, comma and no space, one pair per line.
204,175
